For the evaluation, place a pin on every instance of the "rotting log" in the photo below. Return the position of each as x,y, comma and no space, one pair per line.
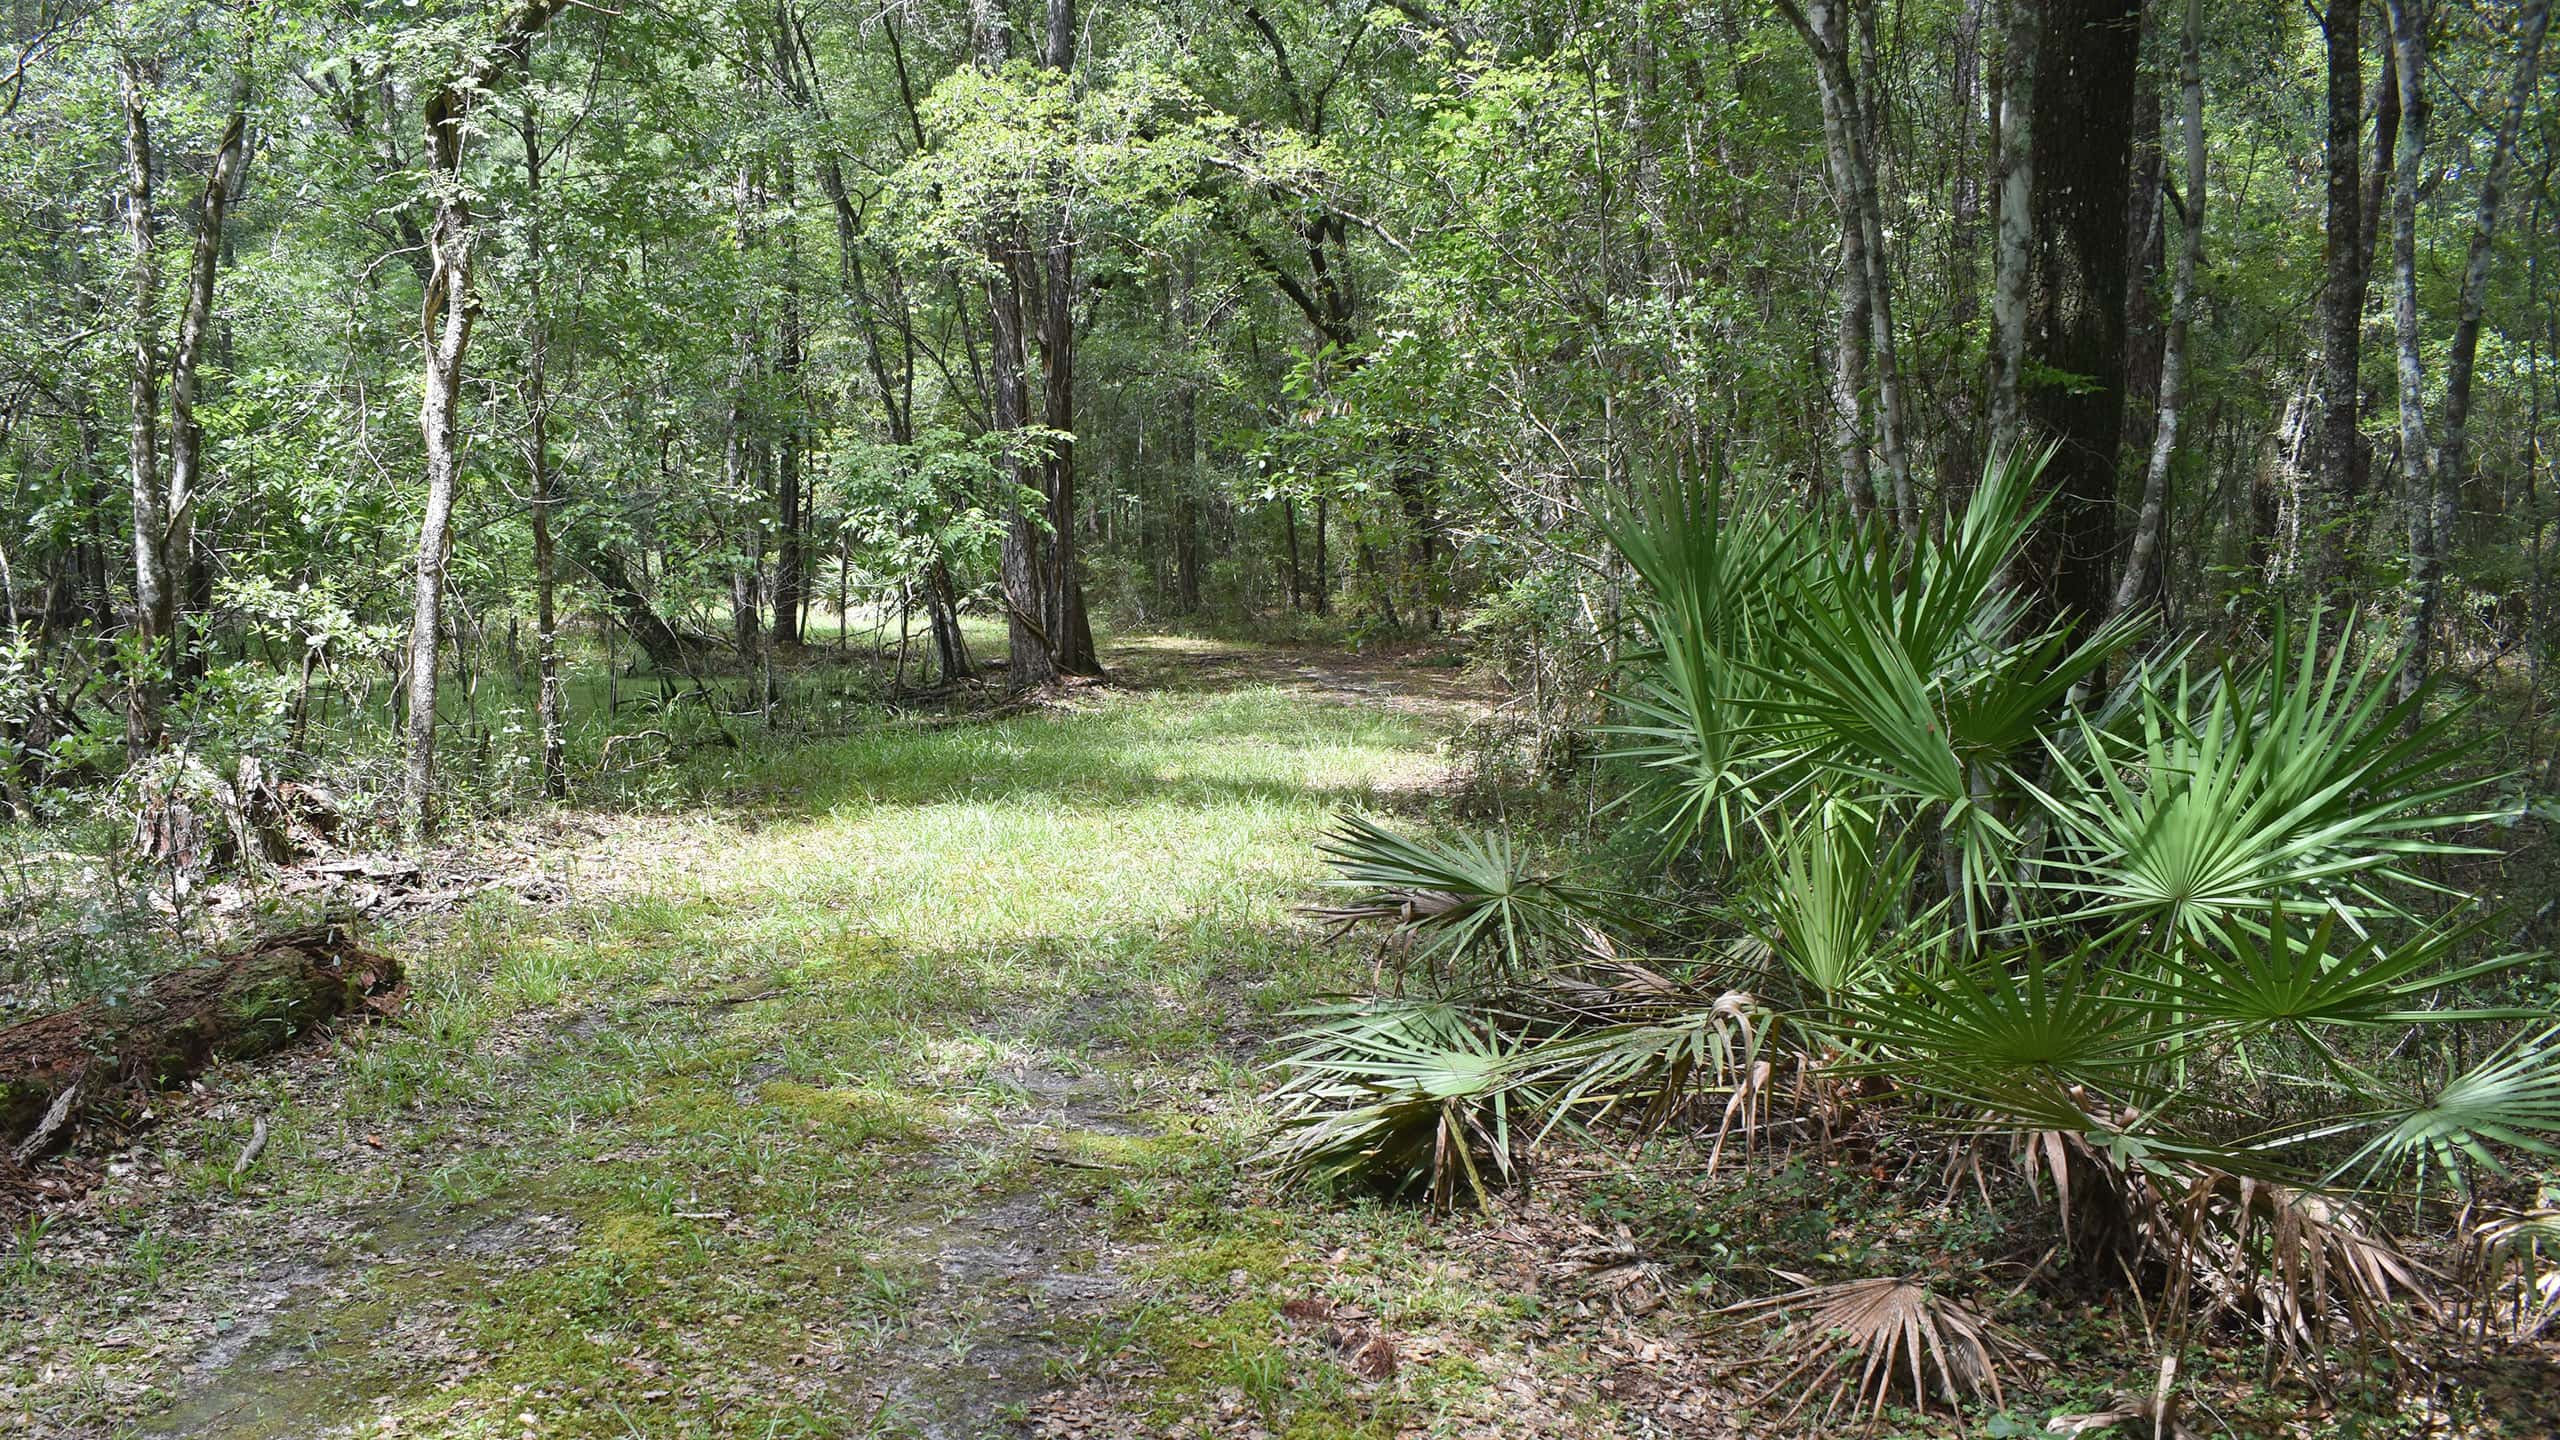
59,1070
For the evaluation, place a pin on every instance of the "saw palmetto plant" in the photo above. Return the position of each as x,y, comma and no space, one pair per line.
2175,936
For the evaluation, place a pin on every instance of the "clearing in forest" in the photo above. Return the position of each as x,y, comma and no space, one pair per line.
905,1090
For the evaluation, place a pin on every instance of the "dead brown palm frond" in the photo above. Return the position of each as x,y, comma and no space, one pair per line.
2511,1273
1863,1337
2303,1267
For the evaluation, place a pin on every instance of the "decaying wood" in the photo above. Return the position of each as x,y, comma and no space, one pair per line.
60,1071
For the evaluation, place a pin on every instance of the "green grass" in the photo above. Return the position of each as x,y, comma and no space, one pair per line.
848,1001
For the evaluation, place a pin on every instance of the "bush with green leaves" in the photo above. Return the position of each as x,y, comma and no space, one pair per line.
2157,932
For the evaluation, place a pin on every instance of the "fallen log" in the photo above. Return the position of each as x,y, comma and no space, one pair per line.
58,1070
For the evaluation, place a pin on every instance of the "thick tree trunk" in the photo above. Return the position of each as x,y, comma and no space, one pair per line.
2141,566
154,589
2332,491
2087,61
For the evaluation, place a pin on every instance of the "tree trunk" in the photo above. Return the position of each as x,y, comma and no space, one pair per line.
1818,23
2087,61
1063,609
2333,489
790,579
2013,248
669,653
2425,585
89,1059
2434,486
1324,574
195,323
445,326
548,704
2140,566
1187,465
154,591
1958,451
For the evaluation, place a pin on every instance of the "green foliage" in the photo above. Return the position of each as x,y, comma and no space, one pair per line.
2190,986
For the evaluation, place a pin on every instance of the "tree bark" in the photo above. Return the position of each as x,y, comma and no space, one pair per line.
549,703
1062,600
790,577
252,1002
1022,566
2141,561
445,326
2332,492
2409,60
2087,60
2435,482
154,590
2013,246
1866,334
195,324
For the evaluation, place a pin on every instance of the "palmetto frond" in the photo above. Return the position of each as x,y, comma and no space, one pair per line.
1404,1097
1470,895
1858,1340
2511,1098
2249,975
1712,582
2007,1034
1835,890
2300,778
1913,668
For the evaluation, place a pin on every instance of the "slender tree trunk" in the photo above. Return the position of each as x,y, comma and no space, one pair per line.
2140,566
1324,573
2435,483
1188,462
2332,492
154,592
445,326
195,323
2453,457
2425,584
790,580
1959,451
1070,632
2013,248
1861,338
546,622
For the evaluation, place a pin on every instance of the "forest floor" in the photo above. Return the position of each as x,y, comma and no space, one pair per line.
905,1086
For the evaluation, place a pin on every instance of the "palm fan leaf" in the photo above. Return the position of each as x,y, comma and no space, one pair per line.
1863,1337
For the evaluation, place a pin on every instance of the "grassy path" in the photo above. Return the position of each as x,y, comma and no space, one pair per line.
905,1089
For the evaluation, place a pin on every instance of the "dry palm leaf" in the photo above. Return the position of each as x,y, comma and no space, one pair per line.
2302,1266
1865,1335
